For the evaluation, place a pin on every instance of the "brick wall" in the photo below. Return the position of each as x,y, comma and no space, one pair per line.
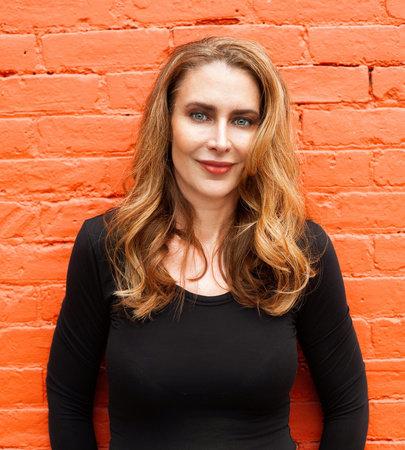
73,78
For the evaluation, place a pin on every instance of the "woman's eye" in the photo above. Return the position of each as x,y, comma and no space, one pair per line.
195,114
246,121
240,121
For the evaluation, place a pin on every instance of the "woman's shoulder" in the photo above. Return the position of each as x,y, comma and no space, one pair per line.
95,228
96,225
328,280
314,229
317,237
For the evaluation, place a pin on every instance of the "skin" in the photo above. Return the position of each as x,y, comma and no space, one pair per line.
220,135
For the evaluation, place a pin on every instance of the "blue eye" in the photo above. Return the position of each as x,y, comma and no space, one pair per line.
249,122
245,124
197,113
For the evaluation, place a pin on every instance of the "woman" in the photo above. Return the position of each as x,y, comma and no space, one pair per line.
199,285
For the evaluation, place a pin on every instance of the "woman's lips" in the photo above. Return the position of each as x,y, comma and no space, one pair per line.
218,170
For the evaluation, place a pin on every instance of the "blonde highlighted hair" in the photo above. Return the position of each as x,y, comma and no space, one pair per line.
266,254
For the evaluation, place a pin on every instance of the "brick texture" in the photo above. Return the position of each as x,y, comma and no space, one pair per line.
74,76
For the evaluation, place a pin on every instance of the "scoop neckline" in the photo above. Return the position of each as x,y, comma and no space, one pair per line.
206,299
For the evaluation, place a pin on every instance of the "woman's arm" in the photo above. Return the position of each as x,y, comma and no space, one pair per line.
329,343
77,347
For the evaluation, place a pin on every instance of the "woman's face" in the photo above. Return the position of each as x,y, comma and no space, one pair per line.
215,117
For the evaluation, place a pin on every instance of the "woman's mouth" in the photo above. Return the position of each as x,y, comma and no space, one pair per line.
217,170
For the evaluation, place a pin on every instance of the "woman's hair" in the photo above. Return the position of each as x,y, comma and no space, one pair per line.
265,250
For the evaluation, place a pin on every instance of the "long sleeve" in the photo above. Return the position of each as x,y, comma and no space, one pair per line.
77,348
330,345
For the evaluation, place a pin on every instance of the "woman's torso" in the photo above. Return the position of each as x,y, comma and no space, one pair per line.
217,378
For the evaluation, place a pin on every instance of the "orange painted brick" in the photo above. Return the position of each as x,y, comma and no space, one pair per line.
18,304
27,15
67,162
386,378
376,297
49,93
195,11
25,428
395,8
31,263
19,220
389,252
317,84
340,169
18,53
359,211
386,419
86,135
101,428
21,388
62,220
308,445
51,297
356,44
303,388
296,124
312,11
17,138
388,83
355,254
70,177
129,90
363,127
284,45
105,50
384,445
16,352
388,337
310,428
389,167
101,396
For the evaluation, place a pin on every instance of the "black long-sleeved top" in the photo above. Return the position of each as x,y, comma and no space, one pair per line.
218,378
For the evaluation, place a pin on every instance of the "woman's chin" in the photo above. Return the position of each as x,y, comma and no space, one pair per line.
216,194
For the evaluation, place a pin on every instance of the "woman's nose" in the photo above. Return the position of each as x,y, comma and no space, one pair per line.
220,140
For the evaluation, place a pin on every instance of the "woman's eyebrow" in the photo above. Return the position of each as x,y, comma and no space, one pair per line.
209,107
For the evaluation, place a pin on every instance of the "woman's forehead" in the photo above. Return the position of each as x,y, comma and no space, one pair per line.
216,83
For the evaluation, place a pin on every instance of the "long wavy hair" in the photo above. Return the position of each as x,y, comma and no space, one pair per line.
264,253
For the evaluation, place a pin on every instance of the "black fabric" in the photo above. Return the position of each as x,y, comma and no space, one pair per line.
218,378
